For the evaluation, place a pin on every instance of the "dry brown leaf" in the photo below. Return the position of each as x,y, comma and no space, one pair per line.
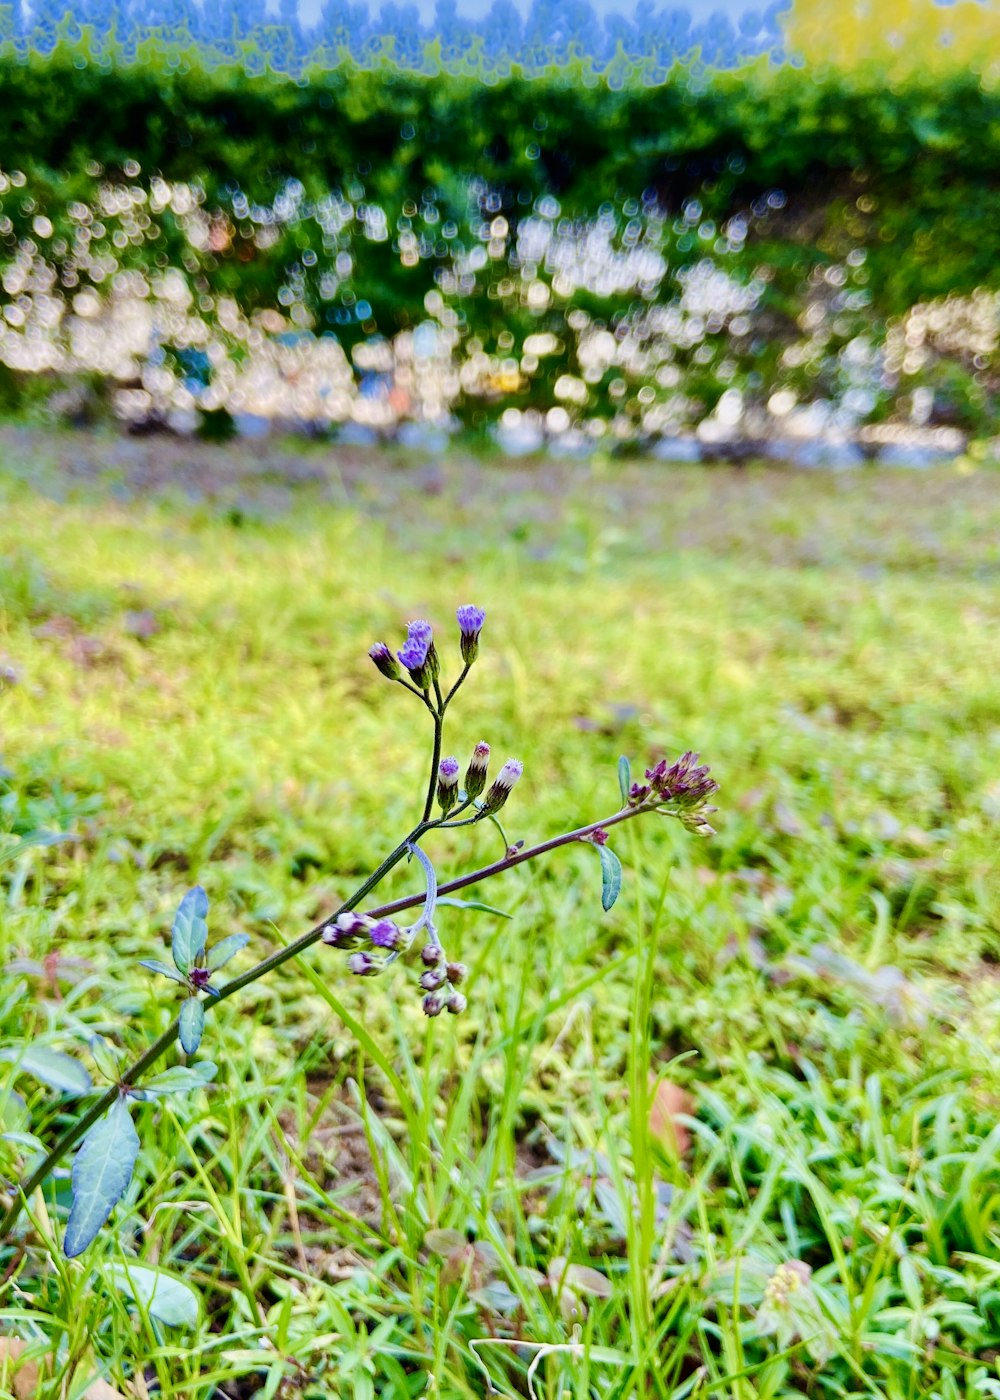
23,1378
669,1100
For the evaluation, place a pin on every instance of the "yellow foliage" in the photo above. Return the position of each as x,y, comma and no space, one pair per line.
901,38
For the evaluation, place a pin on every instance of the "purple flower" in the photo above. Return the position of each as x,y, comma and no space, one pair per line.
417,653
384,660
447,784
475,774
500,791
684,782
348,930
385,934
470,621
362,965
199,977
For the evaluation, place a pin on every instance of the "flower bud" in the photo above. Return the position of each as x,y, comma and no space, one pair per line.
199,977
470,621
500,790
475,774
431,979
384,660
432,1004
348,931
456,972
456,1003
431,953
362,965
447,788
386,934
418,655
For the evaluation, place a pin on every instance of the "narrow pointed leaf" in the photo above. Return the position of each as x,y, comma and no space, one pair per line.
228,948
51,1067
624,776
190,930
179,1079
192,1023
611,872
154,965
102,1170
475,904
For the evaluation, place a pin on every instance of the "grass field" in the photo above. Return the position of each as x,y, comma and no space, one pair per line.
738,1137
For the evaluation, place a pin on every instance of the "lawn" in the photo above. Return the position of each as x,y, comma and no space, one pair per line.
735,1137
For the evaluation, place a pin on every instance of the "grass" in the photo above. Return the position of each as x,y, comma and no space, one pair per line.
779,1046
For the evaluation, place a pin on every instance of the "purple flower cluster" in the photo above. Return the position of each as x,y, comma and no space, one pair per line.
440,980
417,653
354,930
684,784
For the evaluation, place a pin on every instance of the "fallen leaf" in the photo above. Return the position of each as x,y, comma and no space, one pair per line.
22,1377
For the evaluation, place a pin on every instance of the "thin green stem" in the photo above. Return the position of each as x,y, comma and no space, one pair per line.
454,690
282,955
435,760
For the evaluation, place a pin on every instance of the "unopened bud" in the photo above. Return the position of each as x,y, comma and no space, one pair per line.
447,787
347,931
385,661
470,621
456,972
432,1004
475,774
500,790
431,979
431,953
457,1003
362,965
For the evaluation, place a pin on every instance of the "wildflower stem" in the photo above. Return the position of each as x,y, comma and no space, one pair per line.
282,955
435,760
454,690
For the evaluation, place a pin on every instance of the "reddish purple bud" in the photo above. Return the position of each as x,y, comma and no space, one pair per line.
431,979
431,953
475,774
199,977
432,1004
457,1003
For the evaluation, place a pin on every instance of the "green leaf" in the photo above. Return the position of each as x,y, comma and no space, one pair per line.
611,873
192,1021
106,1057
51,1067
190,930
624,776
475,904
228,948
163,1295
154,965
102,1170
180,1079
